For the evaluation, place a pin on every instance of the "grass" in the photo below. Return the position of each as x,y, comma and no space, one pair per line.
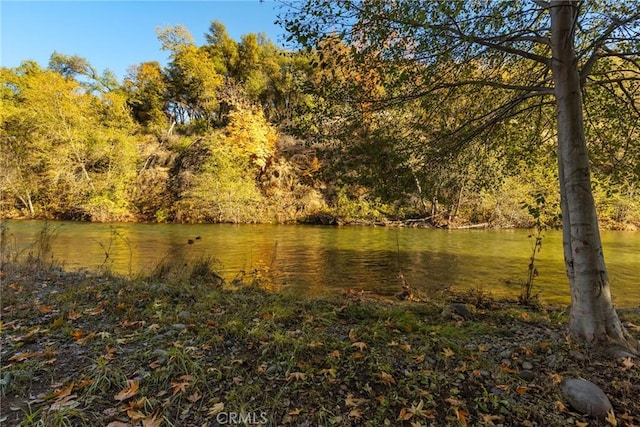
85,349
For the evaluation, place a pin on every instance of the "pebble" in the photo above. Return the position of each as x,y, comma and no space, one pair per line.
527,366
527,375
271,370
457,310
586,397
577,355
179,326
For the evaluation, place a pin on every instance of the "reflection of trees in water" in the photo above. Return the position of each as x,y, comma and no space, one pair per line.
317,260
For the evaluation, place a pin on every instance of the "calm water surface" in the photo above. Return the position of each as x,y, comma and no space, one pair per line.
315,260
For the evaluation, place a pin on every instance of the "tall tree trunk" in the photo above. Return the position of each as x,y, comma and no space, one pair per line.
593,318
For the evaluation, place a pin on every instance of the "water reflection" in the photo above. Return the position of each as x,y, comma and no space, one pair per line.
316,260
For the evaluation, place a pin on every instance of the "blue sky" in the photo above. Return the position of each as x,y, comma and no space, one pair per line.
117,34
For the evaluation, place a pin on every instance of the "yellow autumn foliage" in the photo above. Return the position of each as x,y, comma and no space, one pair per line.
250,131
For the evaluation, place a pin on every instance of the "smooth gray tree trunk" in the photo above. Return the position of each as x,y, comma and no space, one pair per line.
593,318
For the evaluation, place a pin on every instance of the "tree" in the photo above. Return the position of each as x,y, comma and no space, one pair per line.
427,49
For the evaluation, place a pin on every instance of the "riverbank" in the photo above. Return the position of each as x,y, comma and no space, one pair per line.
181,347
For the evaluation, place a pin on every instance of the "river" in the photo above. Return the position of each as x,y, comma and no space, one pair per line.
313,260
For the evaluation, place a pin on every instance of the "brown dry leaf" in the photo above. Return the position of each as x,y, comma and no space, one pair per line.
419,359
352,335
295,412
556,378
297,376
360,345
179,387
129,391
505,367
484,347
447,352
611,418
404,415
24,356
45,309
335,353
216,409
387,378
111,353
332,372
135,415
560,407
355,413
118,424
489,419
60,394
462,416
73,315
627,363
94,311
353,402
581,424
357,356
76,335
152,421
521,390
155,365
194,397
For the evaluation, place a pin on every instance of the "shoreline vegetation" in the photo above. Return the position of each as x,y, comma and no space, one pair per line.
247,132
181,347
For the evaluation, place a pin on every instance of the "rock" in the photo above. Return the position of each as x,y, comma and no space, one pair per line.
527,375
619,353
471,347
455,311
527,366
271,370
179,326
577,355
184,314
586,397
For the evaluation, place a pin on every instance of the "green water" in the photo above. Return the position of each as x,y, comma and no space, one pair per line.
314,260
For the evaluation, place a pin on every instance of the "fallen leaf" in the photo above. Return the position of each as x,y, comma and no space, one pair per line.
118,424
59,394
73,315
462,416
627,363
611,418
521,390
216,409
129,391
45,309
94,311
152,421
360,345
295,412
135,415
24,356
194,397
179,386
297,376
404,415
353,402
387,378
447,352
355,413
